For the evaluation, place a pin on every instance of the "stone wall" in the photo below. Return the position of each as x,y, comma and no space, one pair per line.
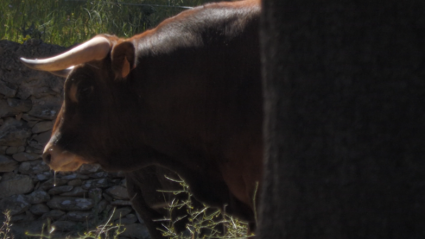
29,102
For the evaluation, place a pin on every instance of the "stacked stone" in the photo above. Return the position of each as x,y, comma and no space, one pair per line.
29,102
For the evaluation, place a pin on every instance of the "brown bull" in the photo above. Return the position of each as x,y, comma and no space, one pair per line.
185,96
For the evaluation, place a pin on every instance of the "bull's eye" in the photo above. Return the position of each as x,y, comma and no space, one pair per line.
84,92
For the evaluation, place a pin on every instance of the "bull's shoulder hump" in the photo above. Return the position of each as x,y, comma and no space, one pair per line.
189,28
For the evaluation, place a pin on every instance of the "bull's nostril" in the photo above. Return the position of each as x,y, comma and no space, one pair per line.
47,157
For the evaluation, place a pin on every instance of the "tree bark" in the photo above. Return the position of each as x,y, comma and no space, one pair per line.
344,88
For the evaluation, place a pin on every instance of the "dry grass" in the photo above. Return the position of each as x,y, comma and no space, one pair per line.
5,229
104,231
203,223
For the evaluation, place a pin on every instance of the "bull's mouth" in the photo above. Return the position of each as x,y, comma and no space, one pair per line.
61,160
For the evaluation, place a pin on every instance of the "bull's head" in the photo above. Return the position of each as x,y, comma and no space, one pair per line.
94,70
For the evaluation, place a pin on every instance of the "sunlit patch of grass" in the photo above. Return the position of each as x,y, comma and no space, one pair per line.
203,223
69,22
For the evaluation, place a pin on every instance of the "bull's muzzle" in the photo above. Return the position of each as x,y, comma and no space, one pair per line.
61,160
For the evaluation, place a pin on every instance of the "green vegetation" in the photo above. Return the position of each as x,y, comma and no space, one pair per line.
67,22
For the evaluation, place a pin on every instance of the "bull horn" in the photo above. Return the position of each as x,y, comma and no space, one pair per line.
63,73
94,49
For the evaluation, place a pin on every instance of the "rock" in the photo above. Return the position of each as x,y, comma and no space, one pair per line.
129,219
29,149
107,197
4,109
65,226
20,184
115,181
136,230
14,133
20,229
95,194
53,214
2,148
11,150
89,168
7,164
101,206
12,107
40,167
49,183
30,118
39,209
120,213
16,106
27,216
42,177
7,89
123,183
22,105
75,182
99,175
25,168
60,189
10,175
34,167
75,176
96,183
22,157
40,140
77,216
121,203
118,192
38,197
108,209
75,192
18,218
42,127
46,107
39,85
70,204
14,150
16,204
30,123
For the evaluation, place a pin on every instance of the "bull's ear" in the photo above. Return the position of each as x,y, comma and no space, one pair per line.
123,59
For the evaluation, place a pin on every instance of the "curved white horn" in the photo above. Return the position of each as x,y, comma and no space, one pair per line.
63,73
94,49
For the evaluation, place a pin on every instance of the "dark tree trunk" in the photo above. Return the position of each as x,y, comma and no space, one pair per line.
344,86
